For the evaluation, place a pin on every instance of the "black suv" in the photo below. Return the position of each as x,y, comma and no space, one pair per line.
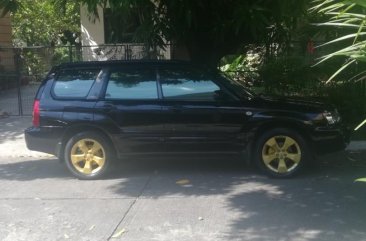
88,114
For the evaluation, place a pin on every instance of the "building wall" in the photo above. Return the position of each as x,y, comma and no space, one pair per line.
6,54
92,34
92,29
92,37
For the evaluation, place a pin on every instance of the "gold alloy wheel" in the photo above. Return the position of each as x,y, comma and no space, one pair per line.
281,154
87,156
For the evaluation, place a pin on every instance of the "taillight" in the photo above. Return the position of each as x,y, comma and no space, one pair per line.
35,120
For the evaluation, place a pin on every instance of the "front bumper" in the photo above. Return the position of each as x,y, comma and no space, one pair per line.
330,139
44,139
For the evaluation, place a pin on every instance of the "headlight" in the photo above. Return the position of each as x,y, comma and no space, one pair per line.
332,117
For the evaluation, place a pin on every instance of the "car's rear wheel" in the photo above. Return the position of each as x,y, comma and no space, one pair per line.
88,155
281,152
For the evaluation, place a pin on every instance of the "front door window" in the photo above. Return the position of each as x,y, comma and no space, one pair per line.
188,86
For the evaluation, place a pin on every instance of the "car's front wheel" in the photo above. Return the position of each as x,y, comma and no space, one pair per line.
88,155
281,152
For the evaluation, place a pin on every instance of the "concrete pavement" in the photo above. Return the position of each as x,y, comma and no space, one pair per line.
181,199
12,142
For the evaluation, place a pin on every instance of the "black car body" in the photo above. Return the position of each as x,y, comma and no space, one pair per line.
168,107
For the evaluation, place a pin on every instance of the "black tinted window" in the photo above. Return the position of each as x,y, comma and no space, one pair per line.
132,84
187,85
74,83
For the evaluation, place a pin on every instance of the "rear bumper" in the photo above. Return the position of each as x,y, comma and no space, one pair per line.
44,139
326,140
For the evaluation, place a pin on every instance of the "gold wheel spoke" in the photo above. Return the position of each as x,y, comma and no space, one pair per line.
87,168
268,158
96,147
273,144
98,160
282,168
288,142
82,146
77,158
294,157
281,154
87,156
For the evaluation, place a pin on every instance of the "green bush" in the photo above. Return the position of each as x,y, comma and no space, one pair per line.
36,62
296,76
289,76
349,98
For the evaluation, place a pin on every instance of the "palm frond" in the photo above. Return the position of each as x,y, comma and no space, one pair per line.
344,14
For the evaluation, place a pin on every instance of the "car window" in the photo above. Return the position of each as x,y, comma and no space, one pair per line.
132,84
71,83
188,85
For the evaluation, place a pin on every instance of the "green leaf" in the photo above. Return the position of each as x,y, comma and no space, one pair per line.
334,24
340,70
349,36
347,15
353,49
322,3
361,179
332,8
359,31
358,2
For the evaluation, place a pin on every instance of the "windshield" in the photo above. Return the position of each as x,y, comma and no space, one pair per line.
237,87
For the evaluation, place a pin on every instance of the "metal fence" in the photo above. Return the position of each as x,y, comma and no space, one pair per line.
22,69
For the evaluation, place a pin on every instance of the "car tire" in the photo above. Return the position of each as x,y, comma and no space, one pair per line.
281,153
88,155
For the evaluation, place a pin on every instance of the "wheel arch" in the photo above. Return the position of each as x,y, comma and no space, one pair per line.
261,129
83,127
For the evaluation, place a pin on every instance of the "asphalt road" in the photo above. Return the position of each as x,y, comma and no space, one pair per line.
183,198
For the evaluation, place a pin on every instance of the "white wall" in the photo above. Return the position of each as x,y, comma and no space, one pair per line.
92,28
92,34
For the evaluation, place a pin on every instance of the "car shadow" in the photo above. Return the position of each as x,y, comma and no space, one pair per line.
33,169
218,175
323,203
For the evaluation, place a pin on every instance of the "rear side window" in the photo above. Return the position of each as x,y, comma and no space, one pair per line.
74,83
130,84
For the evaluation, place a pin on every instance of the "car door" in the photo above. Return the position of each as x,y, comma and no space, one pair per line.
199,113
131,102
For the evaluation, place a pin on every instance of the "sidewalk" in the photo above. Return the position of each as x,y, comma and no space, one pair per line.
12,142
